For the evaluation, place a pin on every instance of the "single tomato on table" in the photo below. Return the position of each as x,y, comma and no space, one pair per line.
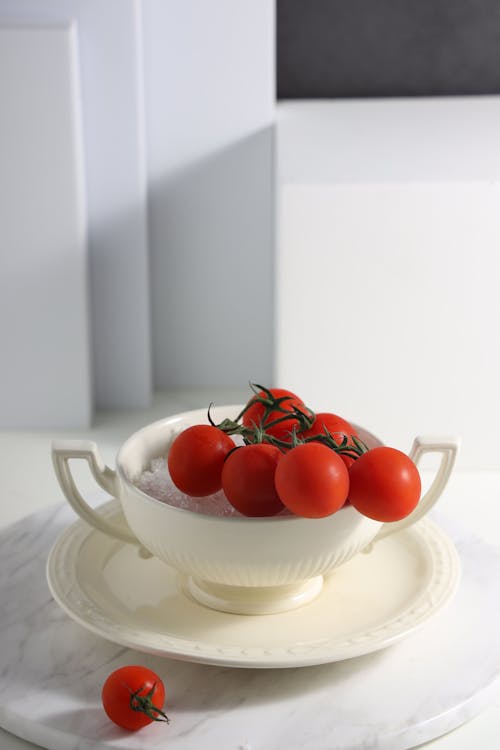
255,414
248,480
384,484
312,480
133,697
196,458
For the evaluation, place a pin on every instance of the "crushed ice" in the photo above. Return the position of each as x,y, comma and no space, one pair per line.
156,482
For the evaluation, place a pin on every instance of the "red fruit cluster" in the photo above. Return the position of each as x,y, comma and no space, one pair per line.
311,464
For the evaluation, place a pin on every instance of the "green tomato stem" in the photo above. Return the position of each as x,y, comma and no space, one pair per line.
259,433
144,704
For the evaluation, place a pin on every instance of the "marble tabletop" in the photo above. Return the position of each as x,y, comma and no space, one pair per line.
27,485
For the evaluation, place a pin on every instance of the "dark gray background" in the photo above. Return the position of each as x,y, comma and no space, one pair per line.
371,48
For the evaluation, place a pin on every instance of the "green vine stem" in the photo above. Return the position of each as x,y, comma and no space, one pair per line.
350,445
354,450
269,401
144,704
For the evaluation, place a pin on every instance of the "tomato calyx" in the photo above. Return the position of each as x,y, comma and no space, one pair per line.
305,420
229,426
276,410
302,420
272,403
144,704
350,445
269,400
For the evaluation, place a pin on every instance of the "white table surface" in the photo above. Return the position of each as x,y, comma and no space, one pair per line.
27,484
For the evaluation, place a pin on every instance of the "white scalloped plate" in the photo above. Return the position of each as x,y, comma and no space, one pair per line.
371,602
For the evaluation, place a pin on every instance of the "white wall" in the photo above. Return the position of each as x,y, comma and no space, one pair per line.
44,324
113,122
108,73
209,78
388,266
195,81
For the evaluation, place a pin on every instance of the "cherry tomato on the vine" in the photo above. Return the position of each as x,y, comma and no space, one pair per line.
248,480
133,697
335,425
254,415
384,484
338,429
196,458
312,480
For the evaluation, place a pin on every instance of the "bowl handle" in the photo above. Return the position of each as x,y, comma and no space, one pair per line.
62,452
448,447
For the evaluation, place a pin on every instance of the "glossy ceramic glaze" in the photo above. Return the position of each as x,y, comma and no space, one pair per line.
138,602
244,565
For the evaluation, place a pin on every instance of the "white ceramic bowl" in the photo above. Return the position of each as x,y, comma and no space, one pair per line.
243,565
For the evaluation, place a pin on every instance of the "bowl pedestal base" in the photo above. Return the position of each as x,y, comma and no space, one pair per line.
254,600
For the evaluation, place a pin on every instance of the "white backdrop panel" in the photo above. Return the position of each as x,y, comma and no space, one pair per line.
388,308
112,111
45,371
209,85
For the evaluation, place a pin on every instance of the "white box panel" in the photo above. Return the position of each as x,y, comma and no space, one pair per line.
45,370
110,68
388,308
388,266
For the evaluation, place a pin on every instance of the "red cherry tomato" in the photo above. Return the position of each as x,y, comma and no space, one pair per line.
338,429
248,480
256,412
133,697
196,458
384,484
334,424
312,480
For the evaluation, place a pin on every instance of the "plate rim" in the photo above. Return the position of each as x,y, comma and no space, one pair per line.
78,605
